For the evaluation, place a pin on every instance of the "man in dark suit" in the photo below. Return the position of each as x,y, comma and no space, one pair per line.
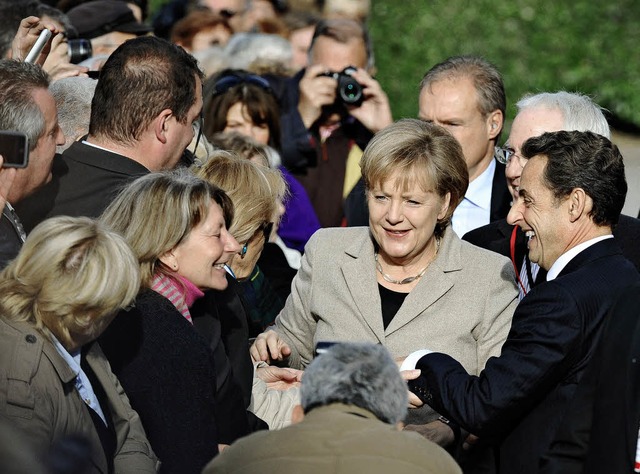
570,195
145,104
600,431
546,112
465,95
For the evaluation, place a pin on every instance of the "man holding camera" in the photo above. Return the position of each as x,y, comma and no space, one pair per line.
323,130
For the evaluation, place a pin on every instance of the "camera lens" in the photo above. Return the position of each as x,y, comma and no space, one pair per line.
350,90
79,50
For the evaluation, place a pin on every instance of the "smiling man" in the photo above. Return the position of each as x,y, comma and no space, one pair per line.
571,193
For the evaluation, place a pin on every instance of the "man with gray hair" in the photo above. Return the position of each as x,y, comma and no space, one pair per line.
353,401
27,106
539,113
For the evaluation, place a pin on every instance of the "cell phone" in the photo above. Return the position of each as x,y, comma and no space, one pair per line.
14,148
45,35
322,347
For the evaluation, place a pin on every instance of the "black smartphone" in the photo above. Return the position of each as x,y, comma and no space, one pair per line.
14,148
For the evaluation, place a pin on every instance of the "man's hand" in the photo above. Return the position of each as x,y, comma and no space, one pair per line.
374,112
57,64
316,91
7,176
436,431
268,347
27,35
278,378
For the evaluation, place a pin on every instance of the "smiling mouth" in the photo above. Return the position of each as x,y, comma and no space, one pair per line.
398,233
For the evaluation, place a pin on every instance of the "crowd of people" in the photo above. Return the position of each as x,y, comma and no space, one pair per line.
224,255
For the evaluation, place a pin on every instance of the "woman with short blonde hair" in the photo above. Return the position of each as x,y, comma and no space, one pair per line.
62,290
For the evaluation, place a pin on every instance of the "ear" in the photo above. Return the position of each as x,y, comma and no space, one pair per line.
297,415
579,204
446,201
161,125
495,120
170,260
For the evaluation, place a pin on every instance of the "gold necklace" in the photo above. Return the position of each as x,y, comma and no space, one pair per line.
408,279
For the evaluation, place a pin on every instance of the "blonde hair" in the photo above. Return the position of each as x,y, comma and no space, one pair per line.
420,153
256,191
70,273
156,212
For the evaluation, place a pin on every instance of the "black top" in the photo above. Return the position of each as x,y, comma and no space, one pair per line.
391,303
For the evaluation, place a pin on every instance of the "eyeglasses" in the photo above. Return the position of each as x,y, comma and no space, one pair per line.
505,154
226,82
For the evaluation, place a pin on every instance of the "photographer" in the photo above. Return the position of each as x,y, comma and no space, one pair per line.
322,136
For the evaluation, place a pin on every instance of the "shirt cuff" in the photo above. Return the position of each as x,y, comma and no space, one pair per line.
413,358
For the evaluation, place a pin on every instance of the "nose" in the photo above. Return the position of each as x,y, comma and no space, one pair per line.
394,212
515,213
60,139
513,169
231,245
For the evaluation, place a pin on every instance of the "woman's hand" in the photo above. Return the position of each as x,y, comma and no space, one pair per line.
279,378
268,347
414,401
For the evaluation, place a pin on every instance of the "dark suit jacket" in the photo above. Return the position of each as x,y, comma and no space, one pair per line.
500,195
519,398
495,236
10,240
85,181
600,431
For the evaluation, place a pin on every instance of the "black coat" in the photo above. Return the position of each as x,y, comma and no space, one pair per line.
168,371
600,431
85,180
519,398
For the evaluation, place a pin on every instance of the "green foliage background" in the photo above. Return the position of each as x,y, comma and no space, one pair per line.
539,45
588,46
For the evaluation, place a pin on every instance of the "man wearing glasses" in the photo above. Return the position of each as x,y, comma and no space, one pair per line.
537,114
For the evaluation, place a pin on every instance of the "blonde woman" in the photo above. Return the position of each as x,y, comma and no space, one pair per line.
62,290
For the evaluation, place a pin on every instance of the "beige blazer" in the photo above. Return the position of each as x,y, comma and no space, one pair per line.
461,306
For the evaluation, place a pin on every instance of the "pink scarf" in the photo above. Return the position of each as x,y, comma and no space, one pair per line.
177,289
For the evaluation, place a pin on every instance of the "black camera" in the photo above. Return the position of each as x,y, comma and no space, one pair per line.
349,91
79,50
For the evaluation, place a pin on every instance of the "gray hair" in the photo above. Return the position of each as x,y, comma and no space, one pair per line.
73,99
259,53
580,113
360,374
18,109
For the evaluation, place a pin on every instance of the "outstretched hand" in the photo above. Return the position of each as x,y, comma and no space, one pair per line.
268,347
279,378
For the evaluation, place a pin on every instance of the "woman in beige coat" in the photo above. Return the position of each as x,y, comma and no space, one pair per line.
62,290
406,281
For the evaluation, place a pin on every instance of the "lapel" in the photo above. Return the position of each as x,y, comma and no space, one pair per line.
359,272
435,282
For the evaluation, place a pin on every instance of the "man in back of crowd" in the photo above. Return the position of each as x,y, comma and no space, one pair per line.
146,101
539,113
465,95
322,135
353,401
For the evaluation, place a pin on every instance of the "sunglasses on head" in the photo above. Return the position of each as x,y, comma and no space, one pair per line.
225,83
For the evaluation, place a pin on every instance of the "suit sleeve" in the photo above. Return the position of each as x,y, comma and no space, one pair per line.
295,323
535,357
